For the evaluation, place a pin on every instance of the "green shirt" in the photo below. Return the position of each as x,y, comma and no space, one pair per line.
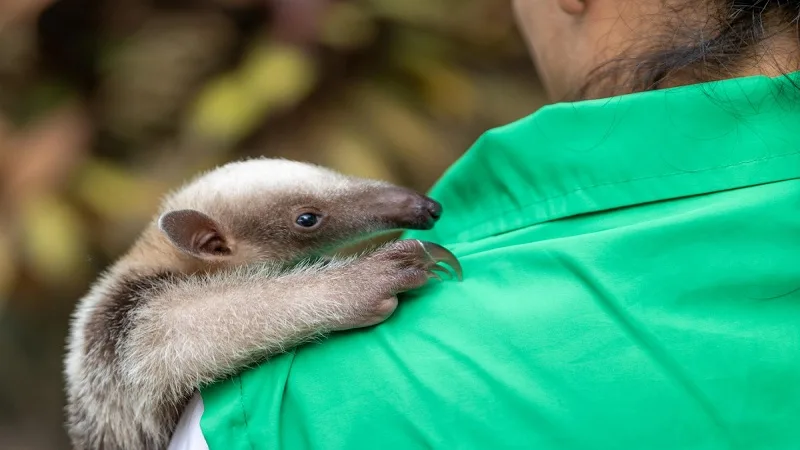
632,281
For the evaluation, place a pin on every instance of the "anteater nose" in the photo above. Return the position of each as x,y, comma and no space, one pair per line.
434,208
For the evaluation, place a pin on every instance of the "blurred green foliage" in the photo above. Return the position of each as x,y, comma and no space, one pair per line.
107,104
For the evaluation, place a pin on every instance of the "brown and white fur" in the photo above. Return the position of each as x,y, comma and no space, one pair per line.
218,281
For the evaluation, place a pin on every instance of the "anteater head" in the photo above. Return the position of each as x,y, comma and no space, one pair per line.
283,211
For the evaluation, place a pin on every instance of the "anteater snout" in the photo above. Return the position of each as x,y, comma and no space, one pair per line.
424,213
434,208
404,208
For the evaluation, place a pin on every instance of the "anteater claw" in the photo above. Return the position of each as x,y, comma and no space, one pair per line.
439,271
438,254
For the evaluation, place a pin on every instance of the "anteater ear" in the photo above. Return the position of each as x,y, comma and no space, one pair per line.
196,234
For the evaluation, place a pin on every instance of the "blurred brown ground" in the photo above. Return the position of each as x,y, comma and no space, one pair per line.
106,104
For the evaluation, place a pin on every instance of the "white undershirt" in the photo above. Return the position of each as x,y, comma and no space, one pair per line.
188,435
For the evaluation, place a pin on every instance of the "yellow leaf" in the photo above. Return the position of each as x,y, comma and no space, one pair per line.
277,76
116,194
54,241
224,110
272,77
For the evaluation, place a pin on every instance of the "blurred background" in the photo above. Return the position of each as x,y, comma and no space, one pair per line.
106,104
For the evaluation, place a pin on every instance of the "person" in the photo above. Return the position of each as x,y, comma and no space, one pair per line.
631,258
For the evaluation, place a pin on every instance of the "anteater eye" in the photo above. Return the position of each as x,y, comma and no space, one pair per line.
307,220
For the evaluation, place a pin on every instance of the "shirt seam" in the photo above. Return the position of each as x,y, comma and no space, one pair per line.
249,438
468,230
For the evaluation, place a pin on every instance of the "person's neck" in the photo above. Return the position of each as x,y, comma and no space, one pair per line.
773,57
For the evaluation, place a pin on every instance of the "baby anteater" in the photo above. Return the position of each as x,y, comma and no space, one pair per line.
228,273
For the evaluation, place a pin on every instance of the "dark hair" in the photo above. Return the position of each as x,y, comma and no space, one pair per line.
724,42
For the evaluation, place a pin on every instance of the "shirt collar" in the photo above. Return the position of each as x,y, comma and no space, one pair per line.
575,158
